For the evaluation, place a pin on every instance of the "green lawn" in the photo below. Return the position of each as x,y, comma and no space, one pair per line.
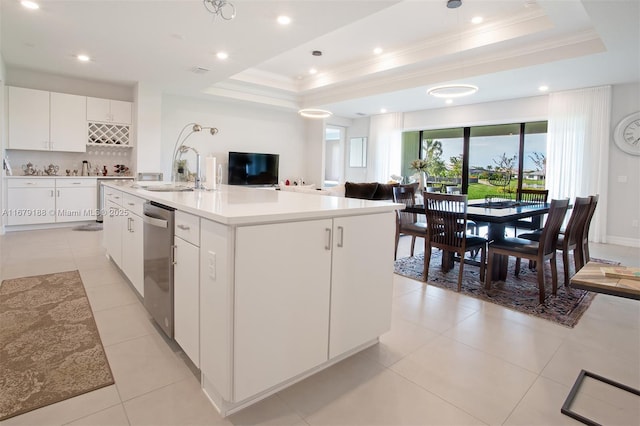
479,190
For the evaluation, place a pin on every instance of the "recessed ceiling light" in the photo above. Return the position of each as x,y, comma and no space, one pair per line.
222,55
448,101
30,4
377,50
83,58
452,90
315,113
477,20
543,88
284,20
313,71
383,110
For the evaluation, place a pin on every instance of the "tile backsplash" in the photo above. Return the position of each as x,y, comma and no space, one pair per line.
96,156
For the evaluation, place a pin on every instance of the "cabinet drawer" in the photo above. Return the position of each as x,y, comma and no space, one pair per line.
188,227
75,182
113,195
31,183
133,203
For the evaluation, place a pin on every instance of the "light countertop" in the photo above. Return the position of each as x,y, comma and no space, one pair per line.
67,177
236,205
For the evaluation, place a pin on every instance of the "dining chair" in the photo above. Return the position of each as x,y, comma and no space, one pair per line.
530,196
570,238
453,190
540,251
407,223
433,189
446,230
584,237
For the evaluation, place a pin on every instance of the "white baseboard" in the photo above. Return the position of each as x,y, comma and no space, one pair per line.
622,241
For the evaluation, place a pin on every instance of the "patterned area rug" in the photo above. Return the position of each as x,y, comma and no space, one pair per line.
49,343
517,293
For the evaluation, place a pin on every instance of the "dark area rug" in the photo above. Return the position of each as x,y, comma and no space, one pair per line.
49,343
517,293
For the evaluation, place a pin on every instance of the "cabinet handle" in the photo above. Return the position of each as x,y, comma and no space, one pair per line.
173,254
129,221
341,239
131,204
327,245
52,192
76,183
58,193
29,183
183,227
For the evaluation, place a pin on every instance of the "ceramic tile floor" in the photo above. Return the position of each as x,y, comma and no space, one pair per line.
448,359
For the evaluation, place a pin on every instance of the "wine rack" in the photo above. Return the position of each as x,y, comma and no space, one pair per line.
105,134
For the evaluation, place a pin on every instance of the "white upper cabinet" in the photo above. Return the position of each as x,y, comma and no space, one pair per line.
28,119
107,110
46,121
68,123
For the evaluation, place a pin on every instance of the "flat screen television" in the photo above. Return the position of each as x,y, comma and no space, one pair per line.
252,168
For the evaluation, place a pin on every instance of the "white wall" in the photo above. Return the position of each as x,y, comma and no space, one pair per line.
242,127
624,197
358,129
147,116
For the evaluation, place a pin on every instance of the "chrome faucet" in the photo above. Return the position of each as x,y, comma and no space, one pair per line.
181,148
198,179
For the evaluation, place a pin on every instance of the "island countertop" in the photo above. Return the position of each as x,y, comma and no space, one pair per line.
236,205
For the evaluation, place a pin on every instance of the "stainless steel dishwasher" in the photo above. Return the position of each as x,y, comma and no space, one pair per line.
158,264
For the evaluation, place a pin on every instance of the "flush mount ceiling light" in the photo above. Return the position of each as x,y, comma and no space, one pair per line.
83,58
284,20
315,113
452,90
221,8
30,4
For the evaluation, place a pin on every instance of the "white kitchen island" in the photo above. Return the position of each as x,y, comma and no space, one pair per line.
273,286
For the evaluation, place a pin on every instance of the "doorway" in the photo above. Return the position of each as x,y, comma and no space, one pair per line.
333,155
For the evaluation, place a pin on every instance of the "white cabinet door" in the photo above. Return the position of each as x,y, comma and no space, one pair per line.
186,298
98,109
113,222
107,110
121,112
68,122
132,250
75,204
28,119
362,280
27,206
281,323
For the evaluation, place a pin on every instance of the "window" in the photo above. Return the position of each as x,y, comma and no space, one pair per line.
484,160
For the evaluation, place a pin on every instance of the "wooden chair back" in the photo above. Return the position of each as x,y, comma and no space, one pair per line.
446,221
535,195
433,189
551,229
405,195
576,224
592,210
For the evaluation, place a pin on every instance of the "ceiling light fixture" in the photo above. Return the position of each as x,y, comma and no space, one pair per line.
452,90
313,71
477,20
453,4
383,110
30,4
221,8
284,20
315,113
448,101
377,50
83,58
222,55
543,88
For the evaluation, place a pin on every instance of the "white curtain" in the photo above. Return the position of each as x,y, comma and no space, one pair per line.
385,146
578,149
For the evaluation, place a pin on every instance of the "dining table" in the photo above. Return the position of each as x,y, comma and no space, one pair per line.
496,214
